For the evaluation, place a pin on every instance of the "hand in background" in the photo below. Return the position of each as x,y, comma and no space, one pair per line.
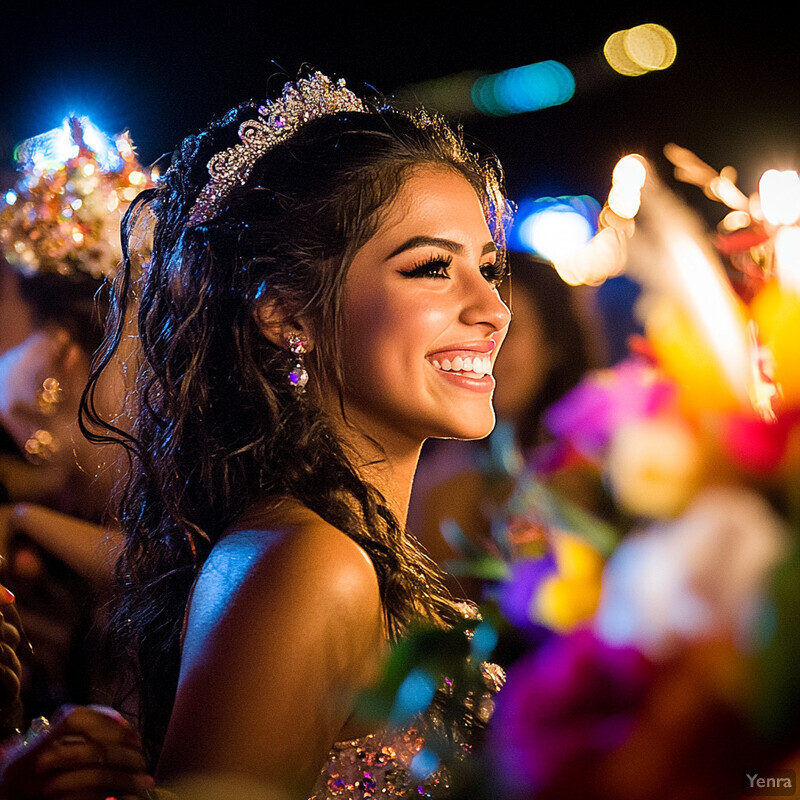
10,668
41,383
86,753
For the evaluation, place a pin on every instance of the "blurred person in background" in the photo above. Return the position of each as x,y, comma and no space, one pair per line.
59,242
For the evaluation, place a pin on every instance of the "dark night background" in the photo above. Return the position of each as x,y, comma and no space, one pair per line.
732,95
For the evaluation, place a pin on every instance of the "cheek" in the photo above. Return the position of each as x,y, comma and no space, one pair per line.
386,332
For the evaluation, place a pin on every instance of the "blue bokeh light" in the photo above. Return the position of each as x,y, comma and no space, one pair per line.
424,764
413,696
522,89
52,149
551,227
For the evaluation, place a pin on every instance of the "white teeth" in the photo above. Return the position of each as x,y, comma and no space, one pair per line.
479,365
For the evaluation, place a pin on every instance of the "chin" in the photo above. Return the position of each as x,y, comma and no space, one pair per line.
477,430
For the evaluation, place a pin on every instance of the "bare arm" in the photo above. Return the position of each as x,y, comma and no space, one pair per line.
88,548
285,629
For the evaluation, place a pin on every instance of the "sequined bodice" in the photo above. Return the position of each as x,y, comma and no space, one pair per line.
395,764
377,766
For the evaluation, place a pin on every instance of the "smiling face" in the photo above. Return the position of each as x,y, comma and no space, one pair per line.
422,317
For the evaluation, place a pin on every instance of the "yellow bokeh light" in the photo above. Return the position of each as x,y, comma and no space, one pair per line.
599,259
641,49
726,191
735,220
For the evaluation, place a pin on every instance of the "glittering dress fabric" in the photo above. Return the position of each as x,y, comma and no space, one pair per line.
384,765
377,766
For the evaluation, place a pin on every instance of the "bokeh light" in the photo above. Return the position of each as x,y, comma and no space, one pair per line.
554,227
639,50
50,150
787,257
522,89
618,58
627,181
779,195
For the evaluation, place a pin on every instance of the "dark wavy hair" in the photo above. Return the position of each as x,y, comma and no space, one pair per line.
215,424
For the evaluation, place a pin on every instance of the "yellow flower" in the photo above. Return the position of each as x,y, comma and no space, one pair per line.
776,311
689,360
571,595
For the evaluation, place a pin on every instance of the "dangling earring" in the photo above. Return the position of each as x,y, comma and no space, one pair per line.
298,376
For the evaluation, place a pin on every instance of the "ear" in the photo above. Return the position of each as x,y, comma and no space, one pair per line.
275,324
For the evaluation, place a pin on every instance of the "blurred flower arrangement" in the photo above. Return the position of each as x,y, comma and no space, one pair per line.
651,630
64,213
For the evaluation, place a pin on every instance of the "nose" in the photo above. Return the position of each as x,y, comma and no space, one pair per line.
484,306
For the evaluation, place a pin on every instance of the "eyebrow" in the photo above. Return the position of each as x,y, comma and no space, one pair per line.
434,241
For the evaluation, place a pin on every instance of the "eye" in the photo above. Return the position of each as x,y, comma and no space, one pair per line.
495,273
433,267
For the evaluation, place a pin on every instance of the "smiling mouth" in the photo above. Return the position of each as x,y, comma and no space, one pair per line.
476,365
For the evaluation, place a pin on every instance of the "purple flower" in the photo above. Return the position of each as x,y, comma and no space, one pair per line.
574,698
515,595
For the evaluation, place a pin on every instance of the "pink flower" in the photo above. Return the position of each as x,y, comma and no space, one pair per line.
589,414
758,446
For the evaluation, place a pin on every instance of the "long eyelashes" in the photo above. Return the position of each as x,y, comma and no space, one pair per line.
432,267
437,266
495,273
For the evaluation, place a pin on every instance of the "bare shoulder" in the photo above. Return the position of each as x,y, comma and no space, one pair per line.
288,562
298,537
285,629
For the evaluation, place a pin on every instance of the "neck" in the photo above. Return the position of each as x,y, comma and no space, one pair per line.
393,476
389,466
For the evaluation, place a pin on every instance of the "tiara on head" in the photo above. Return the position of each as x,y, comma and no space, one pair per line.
299,103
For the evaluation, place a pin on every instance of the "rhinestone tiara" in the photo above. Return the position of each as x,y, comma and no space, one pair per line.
299,103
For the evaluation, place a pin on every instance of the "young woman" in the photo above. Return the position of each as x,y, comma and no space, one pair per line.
321,299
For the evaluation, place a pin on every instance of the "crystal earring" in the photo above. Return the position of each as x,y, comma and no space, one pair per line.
298,376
